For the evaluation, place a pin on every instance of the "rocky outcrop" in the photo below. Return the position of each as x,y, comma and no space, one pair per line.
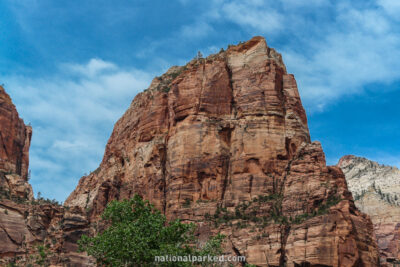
224,142
25,227
376,191
15,138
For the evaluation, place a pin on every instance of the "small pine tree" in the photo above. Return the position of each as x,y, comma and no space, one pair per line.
199,55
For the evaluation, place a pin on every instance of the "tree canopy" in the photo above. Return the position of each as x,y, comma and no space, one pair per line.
138,232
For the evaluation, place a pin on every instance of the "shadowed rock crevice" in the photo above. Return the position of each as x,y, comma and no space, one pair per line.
163,156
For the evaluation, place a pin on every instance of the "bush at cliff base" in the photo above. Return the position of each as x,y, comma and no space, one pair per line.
138,233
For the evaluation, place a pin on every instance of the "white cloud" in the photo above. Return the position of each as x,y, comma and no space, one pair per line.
196,30
253,14
68,145
392,7
292,4
94,67
72,118
367,21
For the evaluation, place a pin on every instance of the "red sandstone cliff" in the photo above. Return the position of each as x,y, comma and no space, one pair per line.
224,142
15,138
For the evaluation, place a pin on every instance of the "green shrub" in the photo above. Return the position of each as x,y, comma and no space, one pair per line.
43,253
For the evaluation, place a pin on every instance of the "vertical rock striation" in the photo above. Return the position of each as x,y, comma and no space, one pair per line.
376,191
224,142
15,139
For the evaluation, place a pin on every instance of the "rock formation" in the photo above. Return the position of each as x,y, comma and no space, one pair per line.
376,191
223,142
15,139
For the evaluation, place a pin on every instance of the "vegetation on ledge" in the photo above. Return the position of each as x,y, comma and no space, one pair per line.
249,212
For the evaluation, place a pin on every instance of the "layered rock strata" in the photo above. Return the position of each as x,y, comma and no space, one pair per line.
224,142
376,189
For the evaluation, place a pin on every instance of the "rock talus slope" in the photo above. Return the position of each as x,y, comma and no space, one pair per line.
376,190
224,142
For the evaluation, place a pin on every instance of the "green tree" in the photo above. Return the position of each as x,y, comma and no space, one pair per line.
138,232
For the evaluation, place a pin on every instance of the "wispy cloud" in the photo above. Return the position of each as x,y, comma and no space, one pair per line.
196,30
69,114
94,67
254,14
392,7
359,48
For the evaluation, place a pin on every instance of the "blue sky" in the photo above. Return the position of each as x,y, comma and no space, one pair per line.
73,67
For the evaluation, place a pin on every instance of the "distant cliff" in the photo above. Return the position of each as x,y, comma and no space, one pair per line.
376,189
27,223
223,142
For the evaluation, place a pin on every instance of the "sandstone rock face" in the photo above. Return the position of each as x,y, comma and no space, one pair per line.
376,191
224,142
15,138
